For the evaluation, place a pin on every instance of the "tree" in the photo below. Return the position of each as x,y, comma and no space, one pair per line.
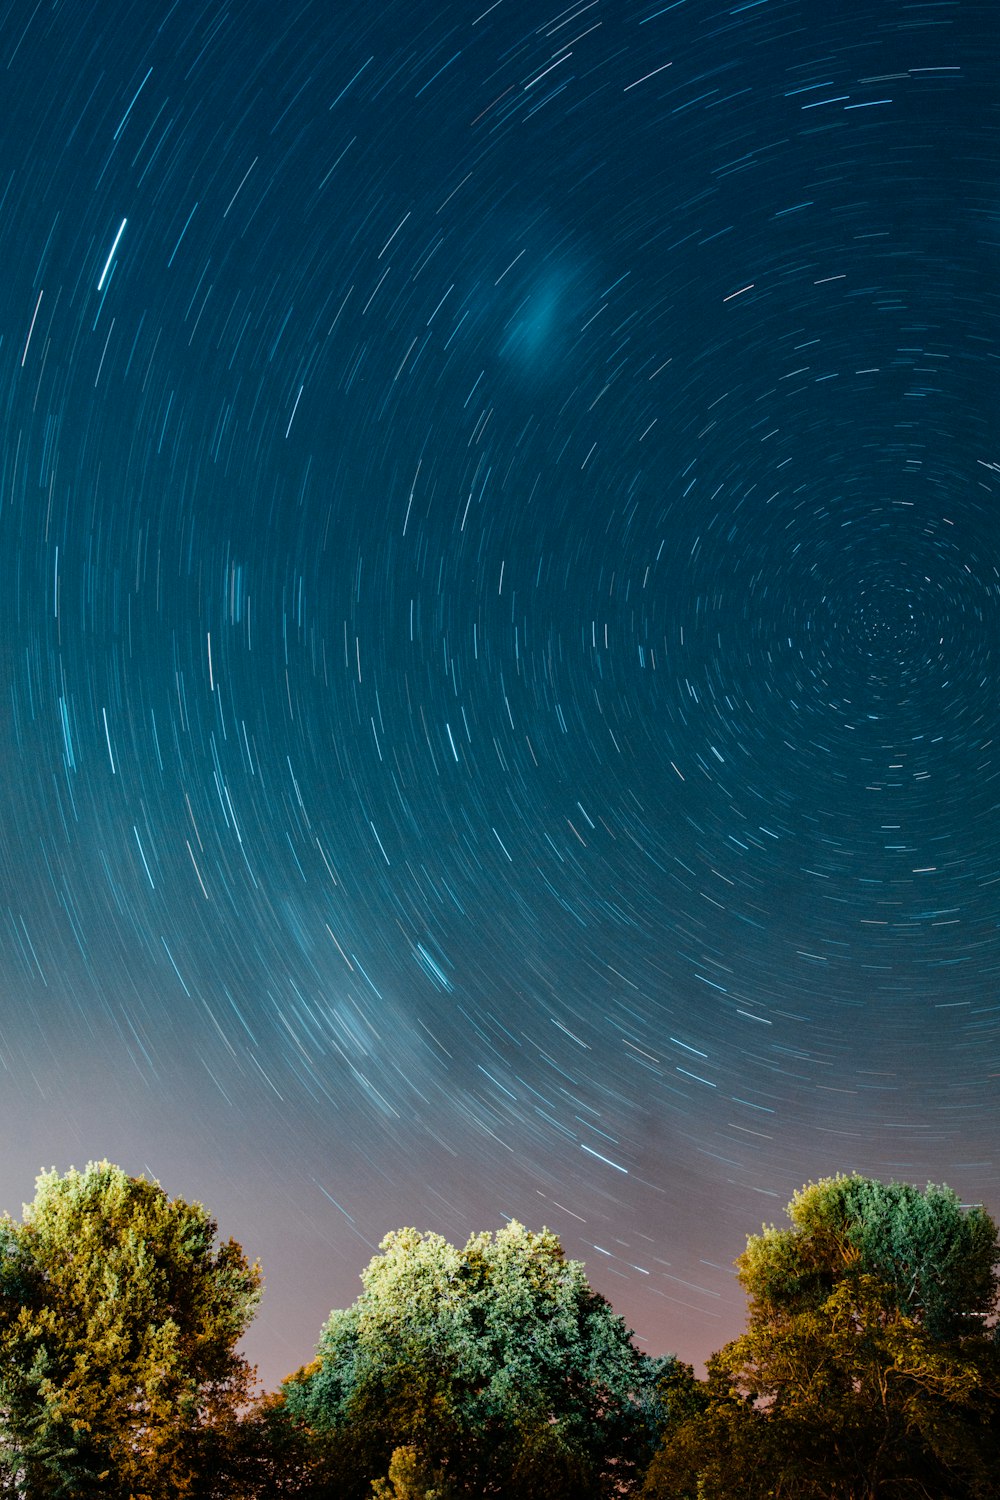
495,1369
257,1454
869,1366
119,1318
409,1479
715,1442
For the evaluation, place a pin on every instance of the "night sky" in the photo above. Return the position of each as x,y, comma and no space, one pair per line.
500,599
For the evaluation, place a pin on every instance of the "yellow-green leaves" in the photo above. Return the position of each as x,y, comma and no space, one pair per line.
119,1317
495,1368
867,1366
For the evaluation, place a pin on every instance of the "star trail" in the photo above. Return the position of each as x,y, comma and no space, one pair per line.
500,606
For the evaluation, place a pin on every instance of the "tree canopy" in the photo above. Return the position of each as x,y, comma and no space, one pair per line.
119,1318
869,1365
494,1369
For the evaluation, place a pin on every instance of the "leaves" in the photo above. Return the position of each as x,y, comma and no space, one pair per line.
119,1317
869,1366
866,1367
494,1361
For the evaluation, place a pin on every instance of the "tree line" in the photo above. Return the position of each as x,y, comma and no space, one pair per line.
870,1366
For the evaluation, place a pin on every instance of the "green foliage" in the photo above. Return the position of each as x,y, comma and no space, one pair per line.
868,1366
937,1261
409,1479
497,1365
119,1317
716,1443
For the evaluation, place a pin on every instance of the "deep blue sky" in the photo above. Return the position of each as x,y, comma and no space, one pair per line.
500,596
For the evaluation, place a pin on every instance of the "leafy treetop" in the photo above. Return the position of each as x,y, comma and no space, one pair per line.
484,1360
119,1317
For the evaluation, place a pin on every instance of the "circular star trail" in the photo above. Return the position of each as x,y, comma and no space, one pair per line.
501,592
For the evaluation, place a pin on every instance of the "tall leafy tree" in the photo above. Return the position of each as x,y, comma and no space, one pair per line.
119,1319
495,1368
869,1366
